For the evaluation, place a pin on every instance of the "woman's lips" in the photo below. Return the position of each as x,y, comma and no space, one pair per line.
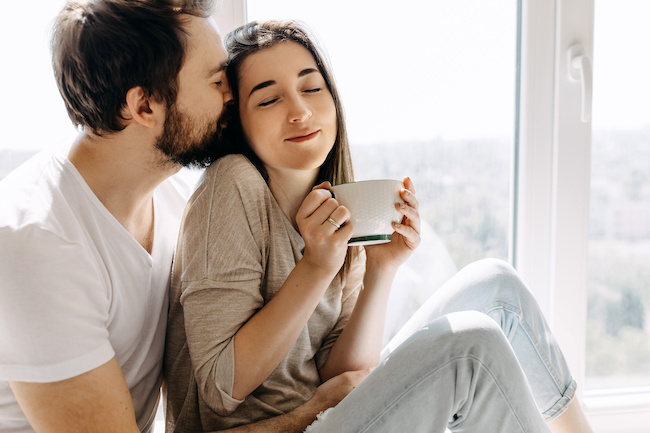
303,137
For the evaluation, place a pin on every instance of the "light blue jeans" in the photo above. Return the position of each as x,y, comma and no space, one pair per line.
478,356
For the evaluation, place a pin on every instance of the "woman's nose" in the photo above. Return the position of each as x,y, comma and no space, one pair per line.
298,111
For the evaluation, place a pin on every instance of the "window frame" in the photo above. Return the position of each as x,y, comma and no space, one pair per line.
552,195
552,201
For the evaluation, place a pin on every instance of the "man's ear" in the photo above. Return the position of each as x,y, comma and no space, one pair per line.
143,109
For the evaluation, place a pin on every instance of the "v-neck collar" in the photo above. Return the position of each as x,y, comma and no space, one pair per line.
110,218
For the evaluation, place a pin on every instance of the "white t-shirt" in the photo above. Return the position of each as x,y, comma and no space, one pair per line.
76,289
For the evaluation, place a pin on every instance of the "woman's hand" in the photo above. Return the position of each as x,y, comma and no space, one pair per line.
359,344
406,237
322,224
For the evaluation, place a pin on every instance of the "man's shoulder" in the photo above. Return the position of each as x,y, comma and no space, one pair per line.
25,169
10,159
32,192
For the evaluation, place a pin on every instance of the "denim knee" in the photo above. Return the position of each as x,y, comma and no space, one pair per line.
501,276
460,334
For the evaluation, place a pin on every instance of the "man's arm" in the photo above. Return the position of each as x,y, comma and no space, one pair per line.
96,401
329,394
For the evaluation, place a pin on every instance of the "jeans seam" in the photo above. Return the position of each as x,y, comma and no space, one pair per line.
531,336
406,391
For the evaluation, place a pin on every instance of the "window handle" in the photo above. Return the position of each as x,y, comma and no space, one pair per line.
580,70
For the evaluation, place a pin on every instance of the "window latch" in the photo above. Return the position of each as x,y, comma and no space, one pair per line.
580,70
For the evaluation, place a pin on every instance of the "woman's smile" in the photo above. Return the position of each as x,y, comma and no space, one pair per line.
299,138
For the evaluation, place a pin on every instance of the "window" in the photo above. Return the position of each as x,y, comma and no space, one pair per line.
554,182
429,92
32,116
618,325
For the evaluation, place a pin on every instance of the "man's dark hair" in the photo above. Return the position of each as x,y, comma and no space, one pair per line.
103,48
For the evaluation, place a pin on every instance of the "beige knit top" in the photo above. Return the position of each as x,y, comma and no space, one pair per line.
235,250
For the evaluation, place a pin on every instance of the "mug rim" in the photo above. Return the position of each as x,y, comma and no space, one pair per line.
370,240
366,181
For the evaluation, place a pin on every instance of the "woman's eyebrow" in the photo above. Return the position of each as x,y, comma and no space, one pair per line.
261,86
307,72
302,73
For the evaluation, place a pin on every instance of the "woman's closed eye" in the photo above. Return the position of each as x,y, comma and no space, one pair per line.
267,103
271,101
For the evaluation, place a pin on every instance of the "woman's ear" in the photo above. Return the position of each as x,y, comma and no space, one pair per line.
143,109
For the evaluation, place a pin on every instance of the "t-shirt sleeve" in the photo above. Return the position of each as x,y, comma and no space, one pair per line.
353,285
223,254
53,310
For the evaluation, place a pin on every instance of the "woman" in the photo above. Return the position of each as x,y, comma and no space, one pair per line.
267,303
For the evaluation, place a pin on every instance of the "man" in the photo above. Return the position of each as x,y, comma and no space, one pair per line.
87,241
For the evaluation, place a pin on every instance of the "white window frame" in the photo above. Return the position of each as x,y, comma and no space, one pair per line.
552,198
230,14
552,195
551,189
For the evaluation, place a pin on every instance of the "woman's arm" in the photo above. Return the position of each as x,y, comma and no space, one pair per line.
266,338
359,345
329,394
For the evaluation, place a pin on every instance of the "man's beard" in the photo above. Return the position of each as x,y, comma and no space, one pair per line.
184,142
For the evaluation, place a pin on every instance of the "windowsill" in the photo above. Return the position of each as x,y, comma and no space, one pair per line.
617,400
610,410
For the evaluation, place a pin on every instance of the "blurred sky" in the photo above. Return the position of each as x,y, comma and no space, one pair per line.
410,70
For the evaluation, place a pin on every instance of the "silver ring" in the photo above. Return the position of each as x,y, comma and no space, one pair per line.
334,223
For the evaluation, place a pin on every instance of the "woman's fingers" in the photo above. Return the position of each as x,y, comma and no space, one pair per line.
408,184
409,228
319,211
322,224
340,216
323,185
408,195
410,209
315,201
410,235
411,215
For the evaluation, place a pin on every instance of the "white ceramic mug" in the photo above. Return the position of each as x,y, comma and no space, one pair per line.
372,208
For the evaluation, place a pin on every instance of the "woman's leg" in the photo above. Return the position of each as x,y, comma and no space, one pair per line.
493,287
573,420
457,372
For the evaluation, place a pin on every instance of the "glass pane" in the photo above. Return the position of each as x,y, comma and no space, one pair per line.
428,88
429,92
32,116
618,329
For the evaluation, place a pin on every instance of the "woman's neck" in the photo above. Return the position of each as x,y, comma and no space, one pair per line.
290,187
